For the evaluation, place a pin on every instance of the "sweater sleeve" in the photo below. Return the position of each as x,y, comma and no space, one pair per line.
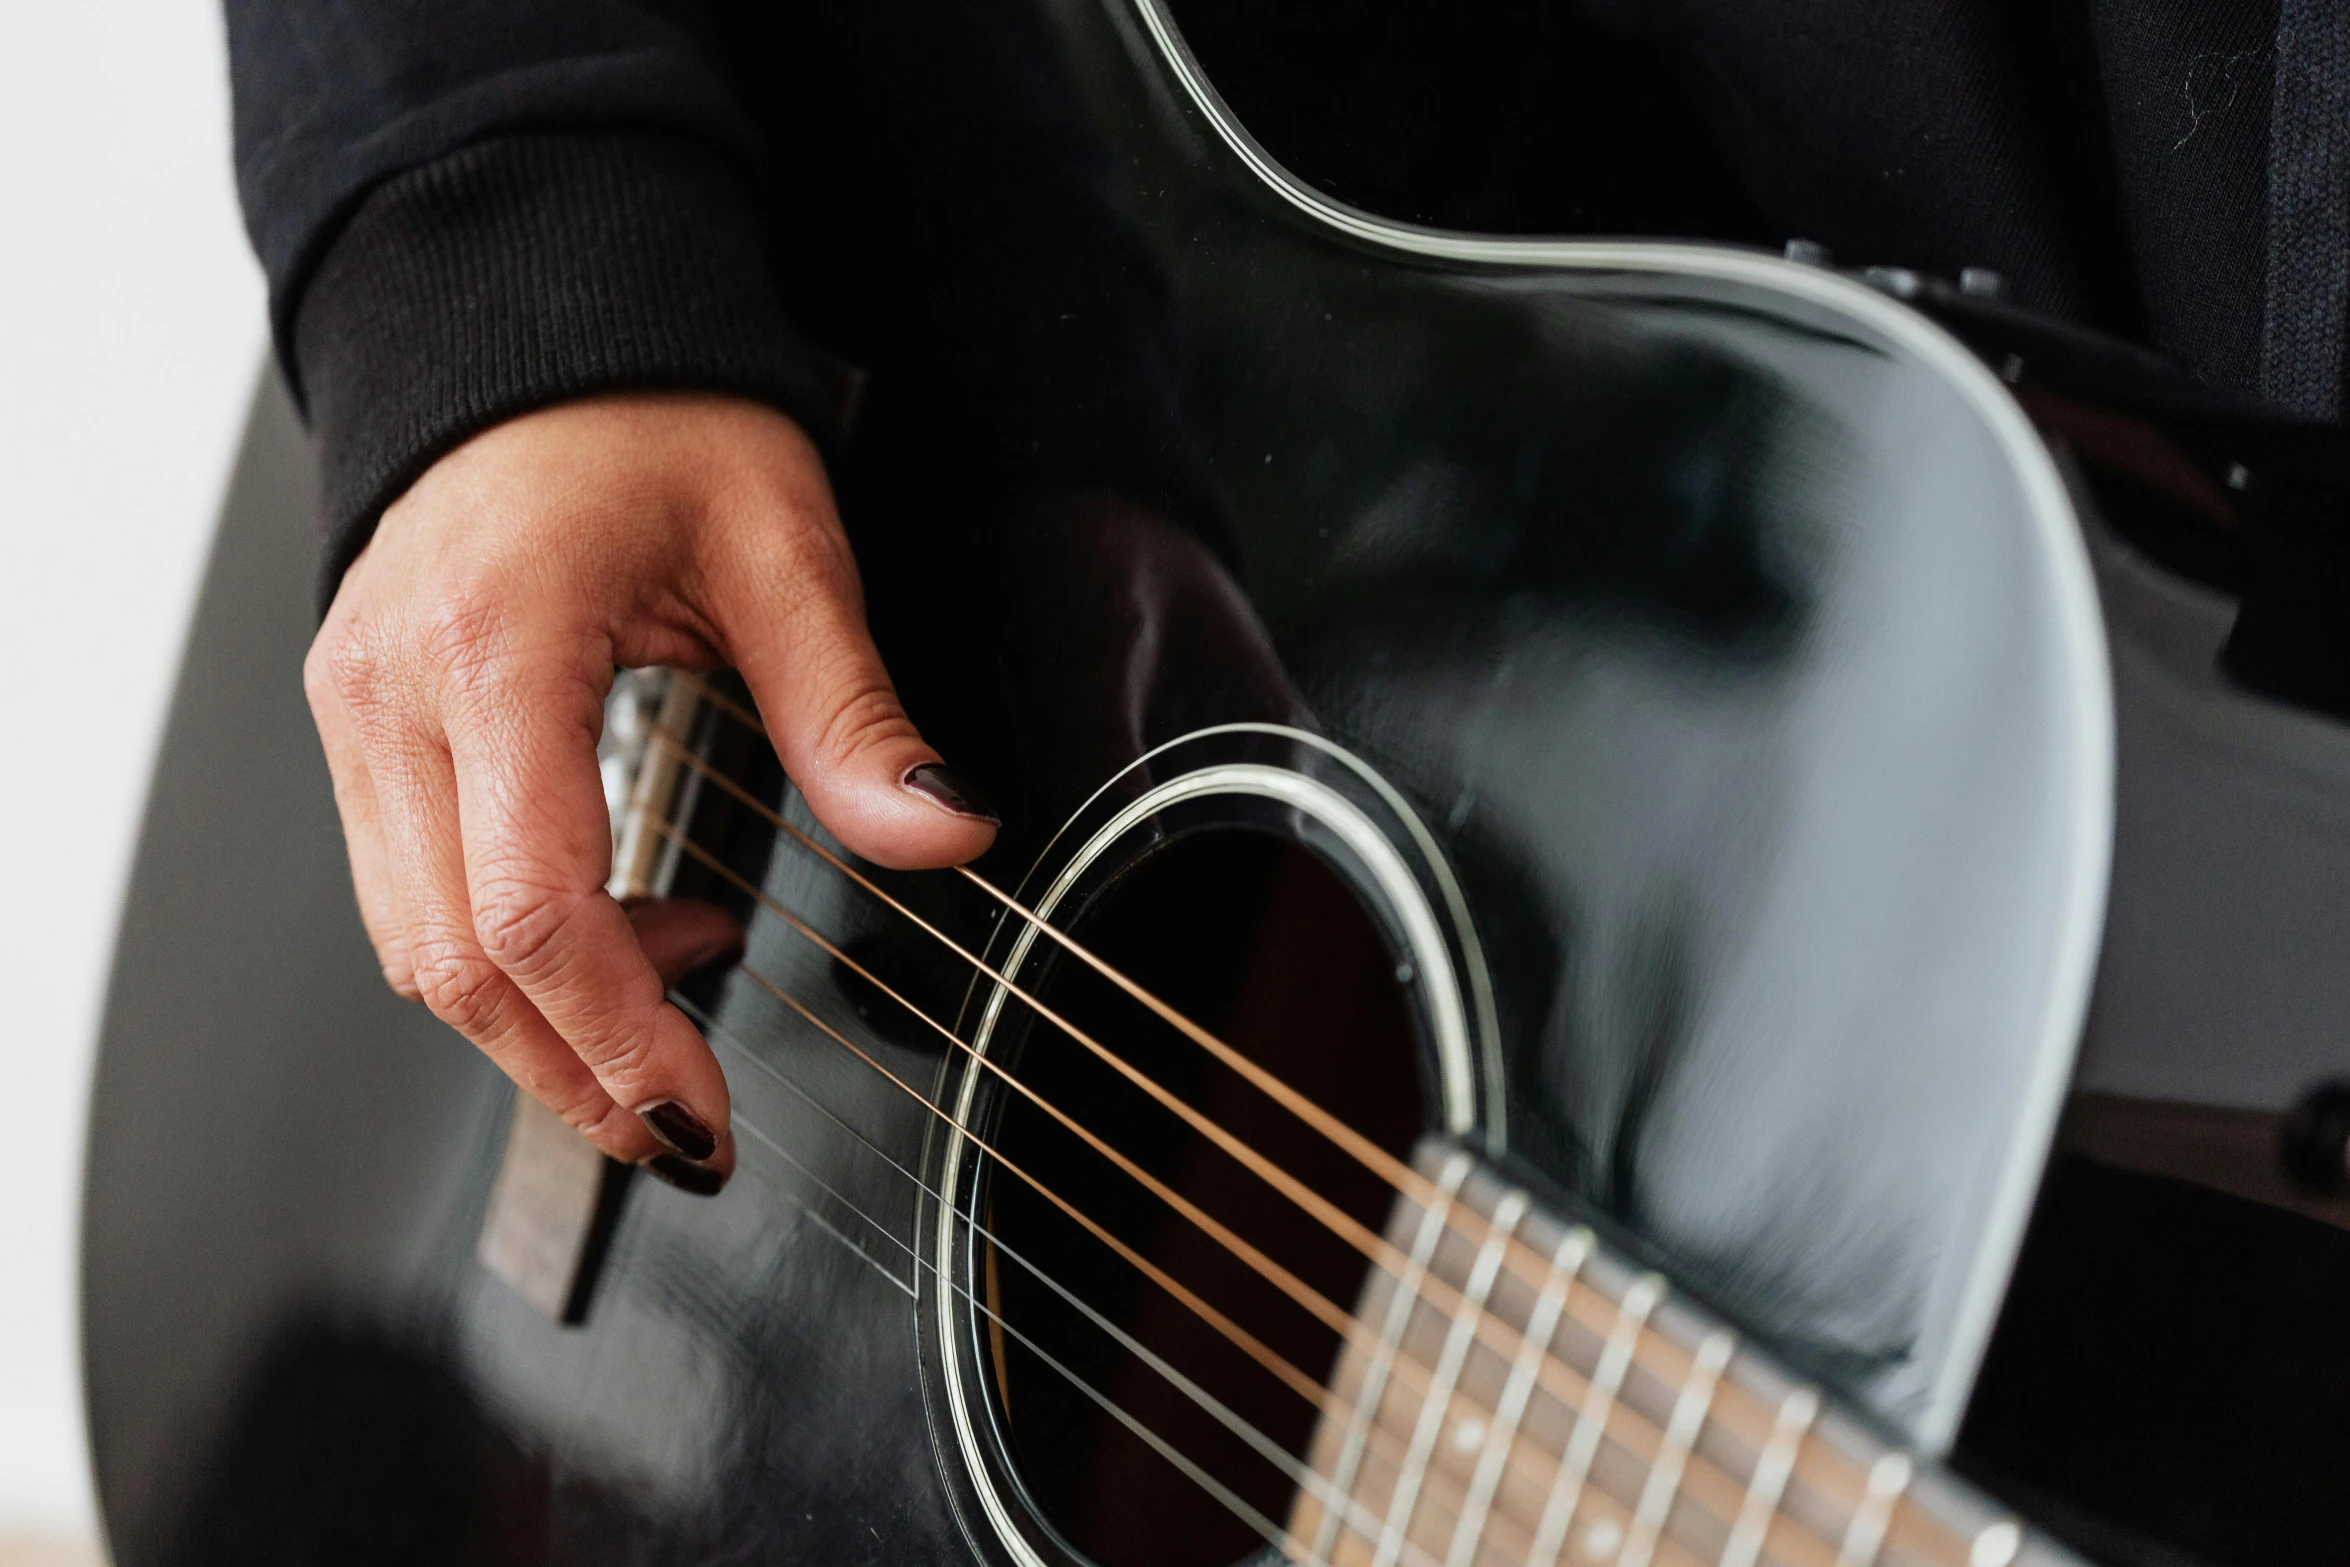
470,208
1006,270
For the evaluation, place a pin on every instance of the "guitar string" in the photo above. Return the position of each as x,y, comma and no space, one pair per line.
1348,1326
1265,1446
801,927
1372,1245
1455,1353
1216,1489
1332,1402
1409,1182
1574,1472
1289,1375
1501,1433
1359,1516
1394,1172
1402,1305
1297,1381
1317,1305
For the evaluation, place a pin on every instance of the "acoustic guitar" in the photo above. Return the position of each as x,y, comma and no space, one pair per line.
1564,1078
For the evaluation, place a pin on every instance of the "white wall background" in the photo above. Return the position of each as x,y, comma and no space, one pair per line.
131,325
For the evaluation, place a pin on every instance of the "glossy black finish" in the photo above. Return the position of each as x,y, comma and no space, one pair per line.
1563,554
1720,624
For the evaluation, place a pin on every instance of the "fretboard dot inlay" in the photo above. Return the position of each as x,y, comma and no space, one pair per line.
1889,1476
1602,1540
1996,1546
1468,1436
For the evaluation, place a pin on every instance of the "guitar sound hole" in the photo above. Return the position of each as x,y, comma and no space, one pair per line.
1267,948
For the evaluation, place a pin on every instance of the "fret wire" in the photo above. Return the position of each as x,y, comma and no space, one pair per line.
1437,1403
1265,1446
1566,1265
1174,1456
1433,1221
659,736
1681,1433
1887,1480
1367,1434
1607,1379
1771,1470
1889,1476
1372,1245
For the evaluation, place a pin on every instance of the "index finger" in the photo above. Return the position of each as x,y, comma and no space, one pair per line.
537,845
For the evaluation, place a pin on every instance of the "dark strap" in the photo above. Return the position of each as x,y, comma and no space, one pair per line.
2301,339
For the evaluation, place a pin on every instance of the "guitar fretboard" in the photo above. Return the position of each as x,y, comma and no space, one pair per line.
1514,1396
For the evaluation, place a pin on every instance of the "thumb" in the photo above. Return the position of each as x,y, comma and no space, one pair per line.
793,620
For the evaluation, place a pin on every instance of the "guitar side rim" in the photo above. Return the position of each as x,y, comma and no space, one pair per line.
2052,523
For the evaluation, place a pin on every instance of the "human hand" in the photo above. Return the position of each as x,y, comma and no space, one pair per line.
458,685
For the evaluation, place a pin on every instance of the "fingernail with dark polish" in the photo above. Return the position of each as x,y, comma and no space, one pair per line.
685,1132
686,1176
950,791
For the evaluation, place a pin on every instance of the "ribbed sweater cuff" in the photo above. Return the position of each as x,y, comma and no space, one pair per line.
521,271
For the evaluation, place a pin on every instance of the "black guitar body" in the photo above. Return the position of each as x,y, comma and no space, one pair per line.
1698,803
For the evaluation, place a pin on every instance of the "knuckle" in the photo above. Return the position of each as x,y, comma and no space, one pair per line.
348,667
355,672
816,546
622,1059
780,544
465,634
521,921
463,991
823,560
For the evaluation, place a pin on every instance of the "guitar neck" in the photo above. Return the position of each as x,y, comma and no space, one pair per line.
1514,1396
